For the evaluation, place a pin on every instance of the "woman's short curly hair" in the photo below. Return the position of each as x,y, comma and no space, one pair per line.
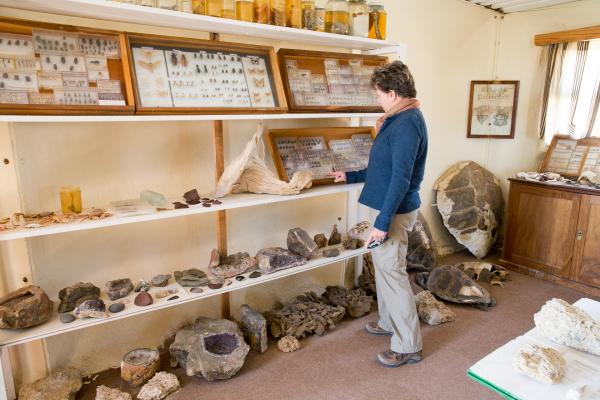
394,76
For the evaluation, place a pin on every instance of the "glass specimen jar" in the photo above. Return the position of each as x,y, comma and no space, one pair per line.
244,10
262,11
309,15
199,7
278,12
293,13
228,9
337,17
320,15
70,199
377,21
359,18
213,7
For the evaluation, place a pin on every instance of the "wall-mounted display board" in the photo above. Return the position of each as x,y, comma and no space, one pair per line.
571,157
57,69
173,75
319,82
321,150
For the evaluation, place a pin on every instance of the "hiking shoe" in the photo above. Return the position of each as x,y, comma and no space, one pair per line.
374,329
391,359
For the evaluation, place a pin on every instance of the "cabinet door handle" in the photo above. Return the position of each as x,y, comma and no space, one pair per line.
579,234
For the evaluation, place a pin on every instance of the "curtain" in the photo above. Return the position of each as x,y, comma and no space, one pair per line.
571,95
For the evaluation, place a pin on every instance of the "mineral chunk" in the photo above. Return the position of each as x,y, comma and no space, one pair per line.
335,237
70,297
211,348
229,266
118,288
62,384
541,363
299,242
143,299
24,308
321,240
276,258
106,393
161,280
159,387
91,309
254,326
192,197
421,254
142,286
191,277
288,344
356,302
139,365
566,324
432,311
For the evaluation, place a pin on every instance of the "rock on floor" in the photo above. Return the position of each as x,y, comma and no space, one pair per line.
62,384
540,363
106,393
288,344
160,386
432,311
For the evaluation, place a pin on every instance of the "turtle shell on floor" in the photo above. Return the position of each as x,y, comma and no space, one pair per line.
451,284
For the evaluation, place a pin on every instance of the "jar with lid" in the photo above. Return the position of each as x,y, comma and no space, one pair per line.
262,11
308,15
337,15
320,15
199,7
278,12
359,18
228,9
244,10
293,13
377,21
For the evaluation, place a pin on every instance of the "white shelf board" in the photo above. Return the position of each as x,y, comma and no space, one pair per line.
159,118
228,203
13,337
121,12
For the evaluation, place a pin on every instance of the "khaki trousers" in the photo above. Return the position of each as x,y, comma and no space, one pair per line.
395,299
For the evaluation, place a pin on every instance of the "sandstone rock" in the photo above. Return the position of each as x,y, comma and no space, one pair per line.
91,309
335,237
299,242
432,311
421,254
356,302
159,387
191,277
62,384
543,364
254,326
276,258
143,299
470,201
70,297
214,349
106,393
118,288
566,324
161,280
24,308
233,265
139,365
288,344
321,240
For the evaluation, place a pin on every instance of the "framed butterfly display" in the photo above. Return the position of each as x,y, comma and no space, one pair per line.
174,76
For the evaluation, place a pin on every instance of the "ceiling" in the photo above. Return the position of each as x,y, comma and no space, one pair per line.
510,6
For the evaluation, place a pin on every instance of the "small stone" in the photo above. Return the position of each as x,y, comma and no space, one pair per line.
196,290
192,197
70,297
206,205
255,274
143,299
67,318
254,326
288,344
142,286
24,308
300,243
543,364
166,292
139,365
331,252
173,298
216,285
106,393
335,237
240,278
321,240
159,387
179,205
161,280
118,288
116,308
91,309
61,384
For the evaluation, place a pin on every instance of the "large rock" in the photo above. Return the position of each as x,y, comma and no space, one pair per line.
274,259
211,348
62,384
356,302
566,324
541,363
24,308
159,387
299,242
421,254
72,296
106,393
470,201
254,326
432,311
118,288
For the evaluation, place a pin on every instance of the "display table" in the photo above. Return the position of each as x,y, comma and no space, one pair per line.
497,371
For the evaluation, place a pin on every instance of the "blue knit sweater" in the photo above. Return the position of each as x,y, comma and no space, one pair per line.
396,167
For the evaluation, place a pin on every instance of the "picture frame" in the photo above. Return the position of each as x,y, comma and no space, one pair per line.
492,109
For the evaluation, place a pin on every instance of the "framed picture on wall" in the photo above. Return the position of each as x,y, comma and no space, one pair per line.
493,109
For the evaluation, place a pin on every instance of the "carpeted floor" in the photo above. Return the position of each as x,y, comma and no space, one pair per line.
342,365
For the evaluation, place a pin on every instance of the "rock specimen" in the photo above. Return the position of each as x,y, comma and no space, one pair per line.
192,197
304,315
331,252
566,324
451,284
67,318
226,267
288,344
360,231
299,242
159,387
255,274
470,201
321,240
191,277
165,292
139,365
276,258
351,243
366,280
118,288
142,286
116,308
541,363
91,309
179,205
248,172
421,254
356,302
485,272
214,349
161,280
254,326
24,308
70,297
196,290
143,299
432,311
62,384
335,237
106,393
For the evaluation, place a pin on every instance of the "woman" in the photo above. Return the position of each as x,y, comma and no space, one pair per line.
392,180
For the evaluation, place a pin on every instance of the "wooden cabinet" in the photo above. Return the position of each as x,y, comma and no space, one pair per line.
553,232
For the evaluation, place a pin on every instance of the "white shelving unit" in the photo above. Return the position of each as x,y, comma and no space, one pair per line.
120,12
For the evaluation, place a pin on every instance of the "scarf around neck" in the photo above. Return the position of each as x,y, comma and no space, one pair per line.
402,105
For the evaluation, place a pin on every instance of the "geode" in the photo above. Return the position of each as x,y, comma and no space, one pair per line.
356,302
274,259
299,242
61,384
24,308
421,253
470,202
118,288
432,311
91,309
541,363
70,297
191,277
229,266
211,348
254,326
